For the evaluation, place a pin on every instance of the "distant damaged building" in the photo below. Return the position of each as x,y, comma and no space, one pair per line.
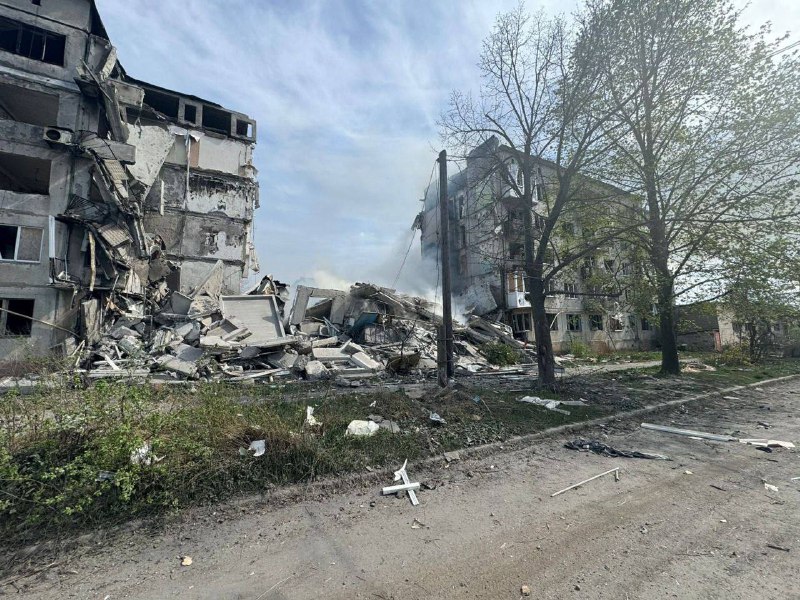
588,304
115,195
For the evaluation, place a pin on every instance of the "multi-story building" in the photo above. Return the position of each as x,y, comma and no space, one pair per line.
113,192
586,302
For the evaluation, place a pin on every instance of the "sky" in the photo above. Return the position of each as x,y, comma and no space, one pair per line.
346,94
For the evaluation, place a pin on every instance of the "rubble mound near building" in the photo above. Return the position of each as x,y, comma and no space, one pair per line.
343,336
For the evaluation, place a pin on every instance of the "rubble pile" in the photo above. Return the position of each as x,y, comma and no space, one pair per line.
338,335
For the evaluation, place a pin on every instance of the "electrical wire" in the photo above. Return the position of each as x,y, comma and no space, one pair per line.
413,231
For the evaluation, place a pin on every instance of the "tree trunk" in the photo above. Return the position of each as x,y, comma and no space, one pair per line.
545,360
670,365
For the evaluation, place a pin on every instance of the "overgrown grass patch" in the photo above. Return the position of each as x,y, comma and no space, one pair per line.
66,452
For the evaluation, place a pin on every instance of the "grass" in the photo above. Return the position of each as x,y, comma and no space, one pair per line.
65,453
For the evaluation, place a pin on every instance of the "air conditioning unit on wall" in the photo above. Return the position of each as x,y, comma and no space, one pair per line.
57,135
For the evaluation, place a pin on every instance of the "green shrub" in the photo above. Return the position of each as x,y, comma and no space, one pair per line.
500,354
735,355
578,349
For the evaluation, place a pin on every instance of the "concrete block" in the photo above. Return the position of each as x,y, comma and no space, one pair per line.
330,354
315,370
360,359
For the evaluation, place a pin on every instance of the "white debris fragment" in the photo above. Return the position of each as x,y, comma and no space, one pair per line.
141,456
259,447
362,428
311,420
547,403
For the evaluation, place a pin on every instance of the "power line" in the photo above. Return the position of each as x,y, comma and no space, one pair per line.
403,264
782,50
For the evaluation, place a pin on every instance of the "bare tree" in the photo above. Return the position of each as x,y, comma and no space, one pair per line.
705,129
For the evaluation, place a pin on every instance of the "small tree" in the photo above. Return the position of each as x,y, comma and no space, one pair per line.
762,289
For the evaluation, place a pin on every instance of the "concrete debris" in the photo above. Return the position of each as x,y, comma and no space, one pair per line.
311,421
551,404
436,419
362,428
203,332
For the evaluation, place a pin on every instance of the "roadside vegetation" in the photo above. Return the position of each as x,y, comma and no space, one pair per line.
75,457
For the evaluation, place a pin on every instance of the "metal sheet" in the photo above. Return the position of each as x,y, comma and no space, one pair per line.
259,314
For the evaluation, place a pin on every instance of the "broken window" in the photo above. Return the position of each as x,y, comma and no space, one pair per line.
645,324
615,324
244,128
23,244
596,322
574,322
521,322
571,290
166,104
28,106
32,42
15,318
216,119
516,251
552,318
24,174
190,113
632,322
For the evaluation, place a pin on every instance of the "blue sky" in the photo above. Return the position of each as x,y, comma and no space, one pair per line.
346,94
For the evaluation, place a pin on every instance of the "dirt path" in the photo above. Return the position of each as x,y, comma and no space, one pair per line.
491,526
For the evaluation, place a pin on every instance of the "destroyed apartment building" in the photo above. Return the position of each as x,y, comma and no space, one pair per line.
120,201
487,257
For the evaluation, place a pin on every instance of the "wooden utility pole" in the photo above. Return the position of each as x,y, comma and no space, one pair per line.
445,354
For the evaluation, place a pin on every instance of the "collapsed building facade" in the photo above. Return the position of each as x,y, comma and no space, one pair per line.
116,196
487,257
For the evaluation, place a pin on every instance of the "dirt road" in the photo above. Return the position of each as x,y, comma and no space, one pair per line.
697,526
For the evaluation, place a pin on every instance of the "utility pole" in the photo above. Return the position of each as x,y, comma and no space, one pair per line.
445,353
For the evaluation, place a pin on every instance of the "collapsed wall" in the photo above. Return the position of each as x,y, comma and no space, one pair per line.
114,193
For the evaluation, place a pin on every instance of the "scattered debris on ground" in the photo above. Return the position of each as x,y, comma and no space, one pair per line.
605,450
406,486
615,471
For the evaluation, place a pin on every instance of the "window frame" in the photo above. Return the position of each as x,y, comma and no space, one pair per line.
596,322
17,242
571,290
44,36
4,303
525,317
572,319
